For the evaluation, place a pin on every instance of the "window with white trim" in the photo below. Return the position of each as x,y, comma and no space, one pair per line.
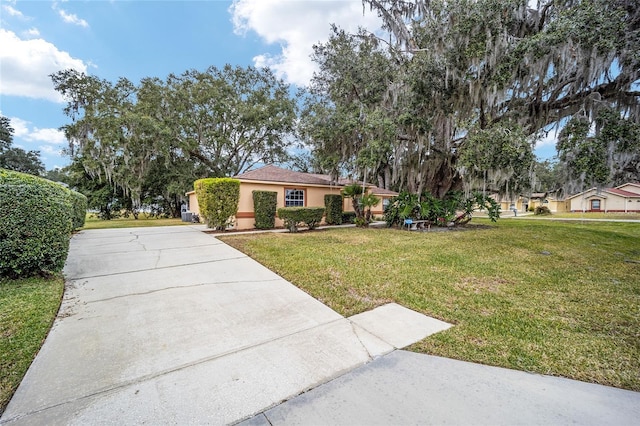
294,197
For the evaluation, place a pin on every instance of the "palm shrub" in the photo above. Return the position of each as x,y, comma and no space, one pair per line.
333,207
453,208
368,201
36,220
294,216
354,192
264,207
362,202
406,205
218,200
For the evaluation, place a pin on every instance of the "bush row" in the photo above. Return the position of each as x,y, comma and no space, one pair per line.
36,220
294,216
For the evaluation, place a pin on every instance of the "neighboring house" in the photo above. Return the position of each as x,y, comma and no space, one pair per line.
624,199
293,188
522,203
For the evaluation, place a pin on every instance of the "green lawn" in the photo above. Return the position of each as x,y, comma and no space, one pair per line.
593,215
93,222
559,298
27,310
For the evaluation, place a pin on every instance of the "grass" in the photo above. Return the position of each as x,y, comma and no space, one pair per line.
93,222
594,215
27,309
558,298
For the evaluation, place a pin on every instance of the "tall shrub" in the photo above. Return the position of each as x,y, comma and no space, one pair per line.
218,200
333,208
264,207
36,219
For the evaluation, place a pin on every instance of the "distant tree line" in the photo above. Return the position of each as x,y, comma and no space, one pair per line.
15,158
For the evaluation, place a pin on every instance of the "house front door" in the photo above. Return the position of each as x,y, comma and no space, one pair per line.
595,205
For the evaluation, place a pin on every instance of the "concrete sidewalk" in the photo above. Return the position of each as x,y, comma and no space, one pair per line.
171,326
407,388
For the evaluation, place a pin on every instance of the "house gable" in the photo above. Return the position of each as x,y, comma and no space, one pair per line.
630,187
624,198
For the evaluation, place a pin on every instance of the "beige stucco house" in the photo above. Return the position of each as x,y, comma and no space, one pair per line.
293,189
523,203
621,199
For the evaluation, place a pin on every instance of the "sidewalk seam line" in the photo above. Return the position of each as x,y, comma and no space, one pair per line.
151,269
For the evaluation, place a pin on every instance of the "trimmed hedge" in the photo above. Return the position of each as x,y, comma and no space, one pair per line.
294,216
333,206
79,204
349,217
264,207
36,220
218,200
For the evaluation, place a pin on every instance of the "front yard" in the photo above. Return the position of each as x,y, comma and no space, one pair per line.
549,297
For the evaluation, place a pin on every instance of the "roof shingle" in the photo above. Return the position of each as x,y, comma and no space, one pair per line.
272,173
276,174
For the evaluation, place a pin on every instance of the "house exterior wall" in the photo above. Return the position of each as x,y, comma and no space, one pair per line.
193,203
506,206
558,206
609,202
313,197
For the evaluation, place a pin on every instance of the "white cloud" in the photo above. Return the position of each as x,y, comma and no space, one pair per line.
50,150
11,11
549,139
20,127
297,26
22,130
31,32
51,136
25,66
72,18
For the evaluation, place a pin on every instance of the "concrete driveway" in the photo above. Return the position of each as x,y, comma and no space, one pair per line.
171,326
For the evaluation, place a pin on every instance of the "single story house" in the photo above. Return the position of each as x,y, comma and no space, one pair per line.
621,199
293,189
523,203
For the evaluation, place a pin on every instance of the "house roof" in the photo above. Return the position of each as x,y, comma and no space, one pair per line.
615,191
622,192
381,191
636,185
276,174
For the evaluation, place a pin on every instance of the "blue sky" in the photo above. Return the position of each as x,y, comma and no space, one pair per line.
137,39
